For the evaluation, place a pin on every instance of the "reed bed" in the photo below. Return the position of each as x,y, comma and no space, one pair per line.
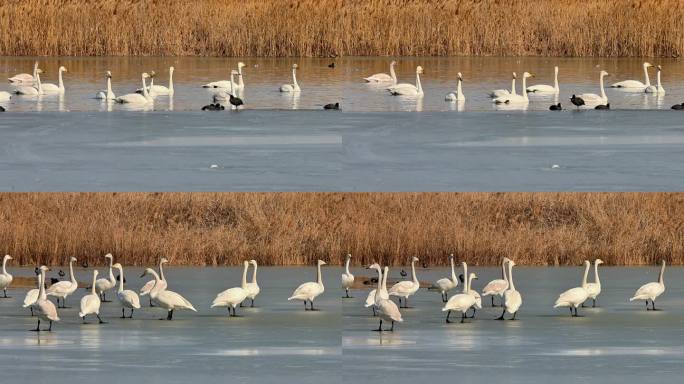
297,228
320,28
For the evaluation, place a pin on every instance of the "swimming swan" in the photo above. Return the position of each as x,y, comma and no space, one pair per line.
383,77
347,277
127,298
55,89
107,94
386,309
461,302
499,286
166,299
25,77
516,99
458,95
103,285
232,297
31,90
5,277
253,287
546,89
161,284
65,288
136,98
594,289
651,291
404,289
90,304
309,291
512,298
592,98
657,88
504,92
405,89
294,87
240,85
45,309
635,83
574,297
446,284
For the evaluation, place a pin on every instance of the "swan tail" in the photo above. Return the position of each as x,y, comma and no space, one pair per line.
81,314
634,298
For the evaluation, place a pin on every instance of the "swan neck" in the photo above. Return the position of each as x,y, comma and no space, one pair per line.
380,277
648,79
40,86
393,74
465,274
35,70
232,80
346,266
513,91
61,82
71,272
555,80
111,272
419,86
4,266
294,76
144,87
459,89
413,271
603,91
658,77
244,275
597,280
92,287
524,88
121,280
161,270
254,273
384,279
170,82
511,286
109,87
503,270
586,274
453,272
41,290
661,275
319,277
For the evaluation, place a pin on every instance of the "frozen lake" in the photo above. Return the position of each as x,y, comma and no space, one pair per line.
619,342
275,150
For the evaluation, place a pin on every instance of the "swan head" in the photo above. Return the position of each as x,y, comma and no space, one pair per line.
604,73
253,262
163,260
527,75
555,69
373,266
117,266
108,74
460,76
241,64
414,259
171,69
153,74
473,276
598,261
451,256
95,273
39,70
295,66
109,256
245,263
148,271
62,69
44,268
348,256
321,262
587,262
7,257
515,75
511,263
659,67
419,69
145,75
72,259
647,65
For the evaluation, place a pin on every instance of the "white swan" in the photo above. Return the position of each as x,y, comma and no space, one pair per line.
103,285
405,89
107,94
31,90
516,99
31,298
499,286
574,297
294,87
446,284
161,284
512,298
347,277
90,304
159,90
657,88
594,289
136,98
386,309
240,85
404,289
475,295
45,309
461,302
166,299
253,287
127,298
594,99
5,96
383,77
651,291
309,291
544,88
458,95
55,88
505,92
232,297
65,288
5,277
635,83
25,77
224,95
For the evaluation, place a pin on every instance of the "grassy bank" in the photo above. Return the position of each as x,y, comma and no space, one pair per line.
297,228
342,27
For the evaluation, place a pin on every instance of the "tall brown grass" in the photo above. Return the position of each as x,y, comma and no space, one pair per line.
297,228
342,27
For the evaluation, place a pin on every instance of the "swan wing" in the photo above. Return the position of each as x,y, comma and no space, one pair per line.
370,299
647,291
401,288
512,301
89,304
232,296
461,302
31,297
628,84
388,310
499,93
145,290
347,280
495,287
175,300
571,297
444,285
131,98
47,310
541,88
130,298
305,291
593,290
378,78
59,289
253,290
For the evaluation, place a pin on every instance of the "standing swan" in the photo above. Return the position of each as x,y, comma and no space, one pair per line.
56,89
386,309
651,291
505,92
107,94
405,89
65,288
309,291
136,98
573,298
5,277
635,83
458,95
294,87
592,98
594,289
383,77
659,87
461,302
232,297
160,285
90,304
516,99
128,299
376,294
406,288
546,89
499,286
166,299
347,278
45,308
253,287
512,298
103,285
446,284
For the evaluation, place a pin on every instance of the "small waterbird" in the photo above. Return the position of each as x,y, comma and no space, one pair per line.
332,106
556,107
602,106
678,107
236,101
213,107
578,101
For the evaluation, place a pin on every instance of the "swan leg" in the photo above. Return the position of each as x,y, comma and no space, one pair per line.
104,298
502,315
235,313
31,308
151,304
100,319
571,311
447,318
4,290
374,313
514,313
312,307
123,313
474,312
492,300
444,297
84,320
170,315
379,327
653,305
305,307
50,327
346,296
593,305
392,327
463,317
131,316
37,327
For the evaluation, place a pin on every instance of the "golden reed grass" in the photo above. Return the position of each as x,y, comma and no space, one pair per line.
322,28
297,228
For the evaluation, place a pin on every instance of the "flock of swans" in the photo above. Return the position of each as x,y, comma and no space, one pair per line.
230,90
378,299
